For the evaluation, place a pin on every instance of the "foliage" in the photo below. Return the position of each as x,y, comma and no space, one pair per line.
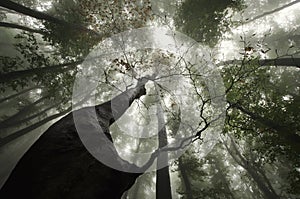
104,17
204,23
263,110
262,101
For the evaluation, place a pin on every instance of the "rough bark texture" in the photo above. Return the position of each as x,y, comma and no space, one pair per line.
59,166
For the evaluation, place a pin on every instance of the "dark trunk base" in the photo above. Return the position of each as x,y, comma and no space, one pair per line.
59,166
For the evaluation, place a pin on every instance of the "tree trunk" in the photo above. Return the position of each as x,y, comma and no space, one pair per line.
261,184
6,77
18,94
217,166
59,166
136,189
125,195
40,15
288,134
185,178
293,62
27,119
16,26
34,126
21,114
271,12
163,187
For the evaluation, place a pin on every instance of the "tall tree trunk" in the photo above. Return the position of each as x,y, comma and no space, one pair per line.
32,127
40,15
17,94
272,11
217,166
6,77
293,62
21,114
185,178
27,119
59,166
261,172
261,184
163,186
285,132
134,193
16,26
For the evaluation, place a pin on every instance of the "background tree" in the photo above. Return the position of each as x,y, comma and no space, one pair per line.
258,58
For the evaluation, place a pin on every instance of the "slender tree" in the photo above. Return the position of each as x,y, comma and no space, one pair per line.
263,185
185,179
271,12
24,111
10,97
59,68
40,15
33,116
293,62
20,27
163,186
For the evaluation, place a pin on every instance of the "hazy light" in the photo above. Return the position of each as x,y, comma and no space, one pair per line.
44,6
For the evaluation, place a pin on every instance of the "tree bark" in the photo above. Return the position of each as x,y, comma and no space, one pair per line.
163,186
16,26
292,62
59,166
40,15
272,11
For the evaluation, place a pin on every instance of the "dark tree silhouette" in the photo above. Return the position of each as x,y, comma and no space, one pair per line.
10,76
59,166
291,62
20,27
43,16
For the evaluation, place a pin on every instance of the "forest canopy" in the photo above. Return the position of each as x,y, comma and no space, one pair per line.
188,99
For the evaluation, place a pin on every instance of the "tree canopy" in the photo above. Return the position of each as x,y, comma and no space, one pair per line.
143,99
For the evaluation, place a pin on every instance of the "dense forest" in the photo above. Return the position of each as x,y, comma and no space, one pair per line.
150,99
